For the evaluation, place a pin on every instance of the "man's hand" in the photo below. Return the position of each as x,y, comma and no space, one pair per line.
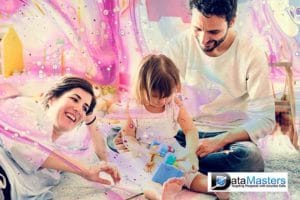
210,145
93,173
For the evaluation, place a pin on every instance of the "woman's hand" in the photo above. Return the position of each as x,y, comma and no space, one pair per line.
93,173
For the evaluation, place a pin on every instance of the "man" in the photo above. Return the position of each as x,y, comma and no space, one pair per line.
212,55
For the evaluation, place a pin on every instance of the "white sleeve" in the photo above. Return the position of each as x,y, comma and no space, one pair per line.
261,106
25,133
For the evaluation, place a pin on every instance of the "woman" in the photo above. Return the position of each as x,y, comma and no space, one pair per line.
31,131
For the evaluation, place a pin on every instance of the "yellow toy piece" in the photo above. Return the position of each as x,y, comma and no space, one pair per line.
11,53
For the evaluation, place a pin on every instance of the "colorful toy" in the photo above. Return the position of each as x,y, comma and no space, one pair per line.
167,170
162,155
161,149
157,151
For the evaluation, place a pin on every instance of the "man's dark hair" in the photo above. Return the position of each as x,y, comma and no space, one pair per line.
221,8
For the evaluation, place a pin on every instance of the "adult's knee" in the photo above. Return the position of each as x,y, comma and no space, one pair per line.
180,137
247,157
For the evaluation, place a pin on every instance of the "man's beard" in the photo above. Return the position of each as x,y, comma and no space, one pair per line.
215,43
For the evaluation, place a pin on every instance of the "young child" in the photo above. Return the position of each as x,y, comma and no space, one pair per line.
155,114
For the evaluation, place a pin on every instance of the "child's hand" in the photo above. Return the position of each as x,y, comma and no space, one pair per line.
118,142
149,166
188,163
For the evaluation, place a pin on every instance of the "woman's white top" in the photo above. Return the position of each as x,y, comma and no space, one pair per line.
25,143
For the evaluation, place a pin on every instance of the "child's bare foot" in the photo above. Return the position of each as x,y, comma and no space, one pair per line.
171,187
152,190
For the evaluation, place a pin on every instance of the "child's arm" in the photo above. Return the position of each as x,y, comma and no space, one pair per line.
190,131
129,139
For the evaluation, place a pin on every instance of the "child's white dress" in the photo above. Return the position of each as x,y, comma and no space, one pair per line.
161,127
155,126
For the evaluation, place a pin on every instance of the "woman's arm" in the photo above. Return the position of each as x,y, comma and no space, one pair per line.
97,138
57,161
61,162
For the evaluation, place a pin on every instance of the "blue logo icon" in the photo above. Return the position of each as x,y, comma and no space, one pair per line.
221,181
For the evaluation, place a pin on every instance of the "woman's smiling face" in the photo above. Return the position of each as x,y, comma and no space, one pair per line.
69,110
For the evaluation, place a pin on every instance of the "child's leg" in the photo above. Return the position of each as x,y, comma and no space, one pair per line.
169,190
152,190
199,184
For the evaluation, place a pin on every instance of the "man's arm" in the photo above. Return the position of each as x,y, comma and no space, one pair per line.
261,103
210,145
260,111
